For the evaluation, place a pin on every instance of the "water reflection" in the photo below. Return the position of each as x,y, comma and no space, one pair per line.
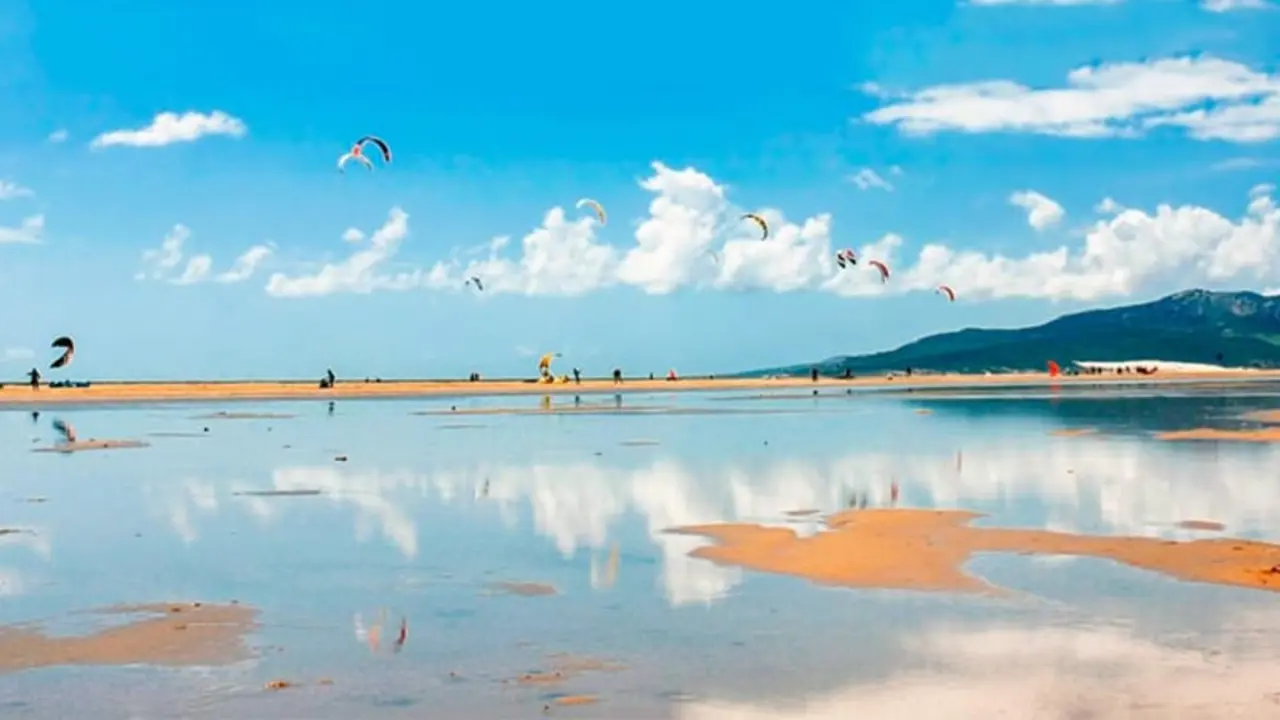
1081,484
1007,670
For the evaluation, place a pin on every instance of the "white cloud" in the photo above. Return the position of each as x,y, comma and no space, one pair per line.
1108,206
168,128
10,190
161,262
1042,211
353,235
866,178
364,271
17,354
58,136
1109,100
1222,6
694,237
244,266
28,233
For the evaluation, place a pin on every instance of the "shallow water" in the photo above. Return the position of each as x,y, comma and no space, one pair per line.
429,514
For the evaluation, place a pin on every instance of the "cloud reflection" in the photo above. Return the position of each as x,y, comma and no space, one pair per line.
1097,484
1021,672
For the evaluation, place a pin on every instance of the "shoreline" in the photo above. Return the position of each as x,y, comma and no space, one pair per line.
122,392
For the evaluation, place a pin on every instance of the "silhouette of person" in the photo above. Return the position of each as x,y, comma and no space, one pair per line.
35,378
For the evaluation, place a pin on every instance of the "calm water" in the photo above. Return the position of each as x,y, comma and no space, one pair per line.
429,511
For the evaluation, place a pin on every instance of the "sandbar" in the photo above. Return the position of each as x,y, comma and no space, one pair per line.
524,589
1074,432
926,550
85,445
1268,417
197,391
1266,435
169,634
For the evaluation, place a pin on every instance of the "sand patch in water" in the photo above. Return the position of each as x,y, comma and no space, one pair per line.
1265,435
1270,417
86,445
1074,432
926,550
523,588
169,634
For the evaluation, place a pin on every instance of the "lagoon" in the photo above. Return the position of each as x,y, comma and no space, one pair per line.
528,554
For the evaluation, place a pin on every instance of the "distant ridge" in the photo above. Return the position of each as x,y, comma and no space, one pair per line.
1238,329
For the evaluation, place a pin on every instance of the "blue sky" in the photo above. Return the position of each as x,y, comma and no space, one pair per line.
500,113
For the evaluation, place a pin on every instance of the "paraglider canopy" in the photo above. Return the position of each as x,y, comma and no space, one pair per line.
544,363
948,292
68,347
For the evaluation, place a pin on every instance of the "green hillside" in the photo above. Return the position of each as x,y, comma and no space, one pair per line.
1237,329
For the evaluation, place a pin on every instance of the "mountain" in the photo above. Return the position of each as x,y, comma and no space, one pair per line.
1240,329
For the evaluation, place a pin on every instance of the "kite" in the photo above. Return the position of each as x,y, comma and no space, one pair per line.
764,225
884,270
68,351
596,206
948,292
357,152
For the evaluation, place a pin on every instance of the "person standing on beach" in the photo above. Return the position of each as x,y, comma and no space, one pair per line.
330,376
813,374
577,376
617,376
35,378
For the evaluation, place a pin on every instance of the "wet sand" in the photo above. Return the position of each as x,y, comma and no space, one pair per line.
171,634
926,550
307,390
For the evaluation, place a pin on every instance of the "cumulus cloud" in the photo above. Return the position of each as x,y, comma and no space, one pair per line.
10,190
866,179
694,237
27,233
168,128
58,136
1207,97
364,271
161,263
1042,212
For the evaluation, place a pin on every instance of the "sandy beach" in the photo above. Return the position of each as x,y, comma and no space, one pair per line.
113,392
